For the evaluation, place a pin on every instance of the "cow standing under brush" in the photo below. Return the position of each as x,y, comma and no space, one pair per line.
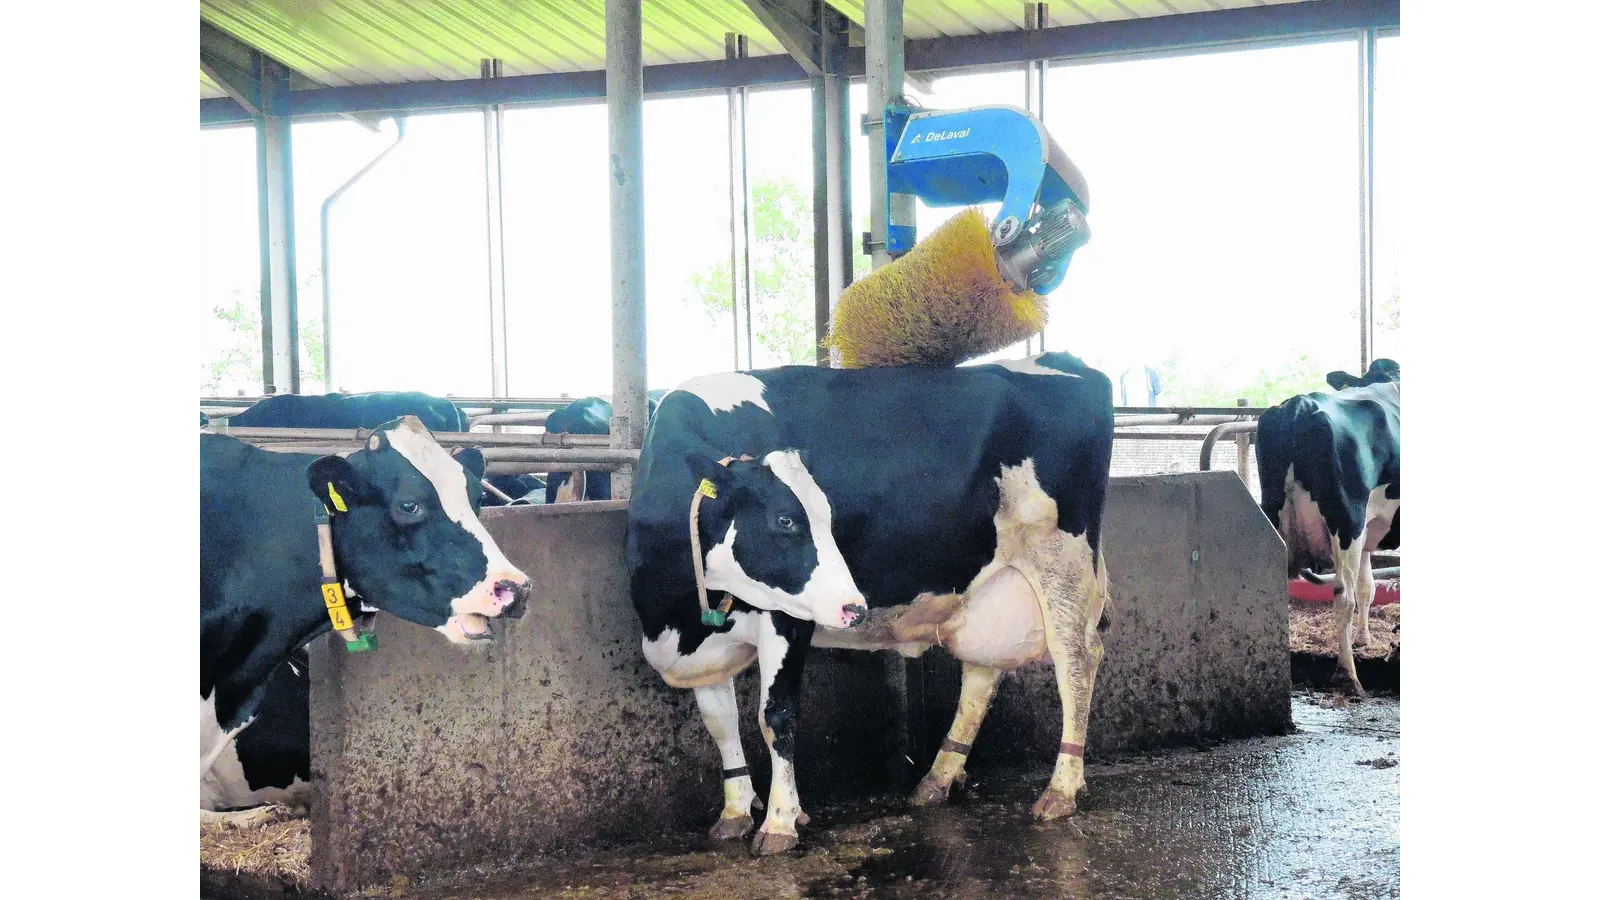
895,508
1330,483
283,536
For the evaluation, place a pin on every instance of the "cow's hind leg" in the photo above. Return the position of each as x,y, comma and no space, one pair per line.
781,651
1074,595
1348,568
1366,587
977,689
719,707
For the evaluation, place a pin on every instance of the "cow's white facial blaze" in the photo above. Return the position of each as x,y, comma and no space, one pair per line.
831,587
487,598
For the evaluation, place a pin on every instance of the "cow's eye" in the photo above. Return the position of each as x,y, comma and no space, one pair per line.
409,507
786,523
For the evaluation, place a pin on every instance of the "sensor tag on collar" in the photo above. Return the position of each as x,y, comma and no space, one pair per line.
718,617
338,501
367,641
707,489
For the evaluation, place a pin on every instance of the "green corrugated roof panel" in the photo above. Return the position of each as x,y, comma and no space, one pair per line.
340,42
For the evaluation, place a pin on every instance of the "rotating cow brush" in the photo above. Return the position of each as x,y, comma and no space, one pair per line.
969,288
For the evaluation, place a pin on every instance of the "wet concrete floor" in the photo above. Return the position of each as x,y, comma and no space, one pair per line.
1315,814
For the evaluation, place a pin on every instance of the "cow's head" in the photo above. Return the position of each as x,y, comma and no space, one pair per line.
768,539
1380,372
409,540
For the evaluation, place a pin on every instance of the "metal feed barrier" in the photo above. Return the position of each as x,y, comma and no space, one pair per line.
516,453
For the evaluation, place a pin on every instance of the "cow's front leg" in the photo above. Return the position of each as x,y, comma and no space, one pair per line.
977,689
1074,598
781,651
719,707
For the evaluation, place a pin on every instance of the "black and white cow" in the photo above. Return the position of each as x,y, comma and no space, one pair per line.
371,410
1330,482
586,415
961,506
406,539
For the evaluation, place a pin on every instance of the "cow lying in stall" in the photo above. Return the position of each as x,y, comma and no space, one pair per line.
1330,483
402,534
962,506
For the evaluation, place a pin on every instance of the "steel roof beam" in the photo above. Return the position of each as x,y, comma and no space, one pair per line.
793,23
1172,34
237,68
233,66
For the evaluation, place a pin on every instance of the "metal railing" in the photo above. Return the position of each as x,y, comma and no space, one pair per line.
516,453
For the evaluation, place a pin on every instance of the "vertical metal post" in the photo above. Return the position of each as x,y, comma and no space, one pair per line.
1035,17
500,381
1241,448
625,117
1366,50
735,46
886,74
280,308
834,253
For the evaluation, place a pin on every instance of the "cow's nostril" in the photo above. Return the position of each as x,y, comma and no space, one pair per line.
853,614
519,593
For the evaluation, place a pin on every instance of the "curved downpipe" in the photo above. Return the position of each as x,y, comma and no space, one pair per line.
327,207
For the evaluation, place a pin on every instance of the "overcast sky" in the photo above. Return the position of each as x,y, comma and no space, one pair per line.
1224,213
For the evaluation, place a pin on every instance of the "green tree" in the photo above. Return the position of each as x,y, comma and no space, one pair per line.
239,360
782,273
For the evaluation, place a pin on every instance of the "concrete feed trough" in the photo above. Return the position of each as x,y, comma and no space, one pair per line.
431,758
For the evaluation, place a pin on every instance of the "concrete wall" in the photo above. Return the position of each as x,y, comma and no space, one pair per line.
432,758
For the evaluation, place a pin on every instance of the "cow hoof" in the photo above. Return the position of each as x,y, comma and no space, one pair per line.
1347,684
930,792
769,842
802,818
731,829
1053,805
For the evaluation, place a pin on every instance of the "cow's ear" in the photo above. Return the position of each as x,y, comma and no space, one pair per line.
336,484
1341,380
471,459
704,468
